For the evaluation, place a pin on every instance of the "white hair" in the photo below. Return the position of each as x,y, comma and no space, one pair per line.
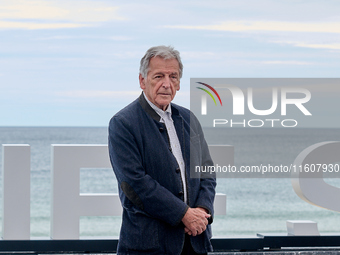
165,52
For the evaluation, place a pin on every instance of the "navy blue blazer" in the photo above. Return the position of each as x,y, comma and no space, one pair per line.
149,179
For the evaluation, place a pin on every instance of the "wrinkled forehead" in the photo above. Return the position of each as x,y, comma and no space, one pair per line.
164,65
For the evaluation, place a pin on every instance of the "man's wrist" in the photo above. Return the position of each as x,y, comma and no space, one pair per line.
210,219
204,209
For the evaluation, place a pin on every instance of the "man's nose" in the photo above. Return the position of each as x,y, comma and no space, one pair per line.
166,82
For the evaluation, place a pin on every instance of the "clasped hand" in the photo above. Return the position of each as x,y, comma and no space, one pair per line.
195,221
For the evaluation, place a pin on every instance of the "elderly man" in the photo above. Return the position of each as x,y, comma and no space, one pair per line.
164,210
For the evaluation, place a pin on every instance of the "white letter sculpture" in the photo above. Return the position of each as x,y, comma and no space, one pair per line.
310,185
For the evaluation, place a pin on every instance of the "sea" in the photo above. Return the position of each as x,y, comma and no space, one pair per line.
254,205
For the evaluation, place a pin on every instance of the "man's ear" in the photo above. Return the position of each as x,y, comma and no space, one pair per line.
178,87
141,82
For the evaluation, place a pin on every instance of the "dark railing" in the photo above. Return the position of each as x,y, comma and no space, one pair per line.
260,242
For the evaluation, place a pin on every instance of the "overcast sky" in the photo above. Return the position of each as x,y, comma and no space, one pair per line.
75,62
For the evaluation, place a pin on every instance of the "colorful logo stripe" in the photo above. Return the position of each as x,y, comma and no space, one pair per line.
213,90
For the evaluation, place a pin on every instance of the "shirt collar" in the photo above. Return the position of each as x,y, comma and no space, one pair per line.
159,111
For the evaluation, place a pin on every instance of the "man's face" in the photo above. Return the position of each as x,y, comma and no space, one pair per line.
162,81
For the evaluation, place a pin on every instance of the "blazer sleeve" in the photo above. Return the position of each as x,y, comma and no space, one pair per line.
206,195
145,195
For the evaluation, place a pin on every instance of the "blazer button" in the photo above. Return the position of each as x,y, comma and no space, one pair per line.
178,170
161,129
181,193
